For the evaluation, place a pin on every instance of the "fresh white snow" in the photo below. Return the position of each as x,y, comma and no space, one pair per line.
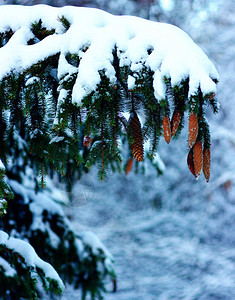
9,271
56,139
31,258
174,54
2,165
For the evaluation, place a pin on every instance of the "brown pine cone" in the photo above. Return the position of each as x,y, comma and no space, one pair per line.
86,141
192,129
175,121
136,138
166,124
207,164
198,158
190,162
129,165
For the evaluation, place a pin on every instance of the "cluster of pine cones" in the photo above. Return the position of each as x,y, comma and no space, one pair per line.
198,159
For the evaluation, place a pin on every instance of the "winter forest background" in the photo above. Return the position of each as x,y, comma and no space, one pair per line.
171,237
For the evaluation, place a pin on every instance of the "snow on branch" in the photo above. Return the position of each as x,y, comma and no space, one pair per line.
27,253
93,35
75,73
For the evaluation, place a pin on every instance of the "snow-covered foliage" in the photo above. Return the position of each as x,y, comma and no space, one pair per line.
3,206
49,232
85,67
165,49
31,259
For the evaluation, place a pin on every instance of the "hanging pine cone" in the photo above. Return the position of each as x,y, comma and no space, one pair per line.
192,129
207,163
197,158
175,121
129,165
86,141
166,124
135,137
190,162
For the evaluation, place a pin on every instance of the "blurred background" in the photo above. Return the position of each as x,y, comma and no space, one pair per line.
172,237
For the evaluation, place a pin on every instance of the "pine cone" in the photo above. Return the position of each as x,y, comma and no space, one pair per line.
136,138
175,121
190,162
166,124
86,141
129,165
197,158
207,164
192,130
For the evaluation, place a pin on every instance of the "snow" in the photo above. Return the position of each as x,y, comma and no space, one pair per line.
64,67
38,202
131,82
18,188
31,258
9,271
174,54
167,4
157,160
90,239
2,165
32,80
159,86
56,139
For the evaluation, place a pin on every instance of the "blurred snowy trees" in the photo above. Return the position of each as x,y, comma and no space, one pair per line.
171,11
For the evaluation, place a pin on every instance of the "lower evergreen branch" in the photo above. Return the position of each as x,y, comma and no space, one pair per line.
24,261
80,259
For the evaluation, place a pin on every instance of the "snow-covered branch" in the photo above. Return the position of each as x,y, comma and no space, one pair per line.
27,254
93,35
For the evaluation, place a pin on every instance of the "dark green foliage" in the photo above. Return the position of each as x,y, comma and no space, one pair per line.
65,22
153,125
41,32
5,37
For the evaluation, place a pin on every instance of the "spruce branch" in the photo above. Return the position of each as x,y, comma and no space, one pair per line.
85,90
